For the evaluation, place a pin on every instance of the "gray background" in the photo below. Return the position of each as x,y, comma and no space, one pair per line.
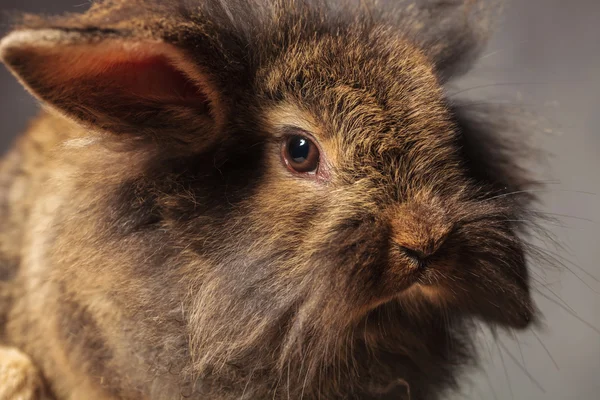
546,55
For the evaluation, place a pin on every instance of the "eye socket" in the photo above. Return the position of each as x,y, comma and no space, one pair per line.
300,154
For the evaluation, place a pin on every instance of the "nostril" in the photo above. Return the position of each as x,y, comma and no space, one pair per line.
420,249
417,256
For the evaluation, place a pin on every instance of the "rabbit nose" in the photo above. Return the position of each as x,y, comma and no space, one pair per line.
416,255
418,231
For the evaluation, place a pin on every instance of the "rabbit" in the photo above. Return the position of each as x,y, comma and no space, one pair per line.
277,199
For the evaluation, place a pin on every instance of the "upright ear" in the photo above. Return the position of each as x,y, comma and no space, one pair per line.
452,32
114,83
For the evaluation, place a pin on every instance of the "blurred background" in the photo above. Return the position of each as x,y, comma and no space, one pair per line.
545,55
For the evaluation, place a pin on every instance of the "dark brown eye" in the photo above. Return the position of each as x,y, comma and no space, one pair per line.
300,154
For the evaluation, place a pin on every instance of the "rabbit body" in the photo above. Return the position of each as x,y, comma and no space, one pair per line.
156,243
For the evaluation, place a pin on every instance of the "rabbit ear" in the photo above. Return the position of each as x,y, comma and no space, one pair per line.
114,83
453,32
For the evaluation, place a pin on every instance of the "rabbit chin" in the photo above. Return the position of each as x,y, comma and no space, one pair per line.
433,294
412,296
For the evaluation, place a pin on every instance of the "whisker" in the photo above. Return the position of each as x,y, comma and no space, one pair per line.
541,191
491,102
487,345
494,52
490,85
520,351
546,182
531,378
489,381
505,370
557,297
573,314
566,216
563,261
545,348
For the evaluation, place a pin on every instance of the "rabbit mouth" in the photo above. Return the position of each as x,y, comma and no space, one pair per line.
407,283
410,267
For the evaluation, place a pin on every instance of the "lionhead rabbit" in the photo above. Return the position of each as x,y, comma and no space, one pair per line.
253,200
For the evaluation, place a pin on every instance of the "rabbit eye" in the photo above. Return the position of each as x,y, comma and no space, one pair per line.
300,154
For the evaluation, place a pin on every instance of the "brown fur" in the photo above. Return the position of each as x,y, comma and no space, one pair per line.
153,246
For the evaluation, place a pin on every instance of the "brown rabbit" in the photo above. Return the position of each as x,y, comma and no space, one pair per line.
253,200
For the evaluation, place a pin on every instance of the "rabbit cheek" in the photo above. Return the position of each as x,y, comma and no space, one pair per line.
78,326
486,279
496,286
357,253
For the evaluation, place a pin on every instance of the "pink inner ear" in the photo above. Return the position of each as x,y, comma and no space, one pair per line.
117,84
130,71
151,77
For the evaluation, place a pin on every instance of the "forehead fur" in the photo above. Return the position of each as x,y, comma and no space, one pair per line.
242,34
